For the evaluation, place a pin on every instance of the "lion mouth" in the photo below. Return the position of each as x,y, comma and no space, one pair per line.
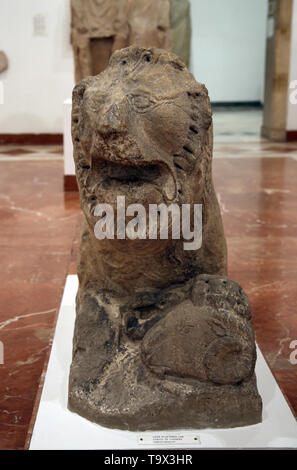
128,173
117,174
121,177
148,181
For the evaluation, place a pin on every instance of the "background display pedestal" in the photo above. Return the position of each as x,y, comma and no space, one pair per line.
70,183
57,428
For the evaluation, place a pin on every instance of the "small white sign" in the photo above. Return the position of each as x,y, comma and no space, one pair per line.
184,438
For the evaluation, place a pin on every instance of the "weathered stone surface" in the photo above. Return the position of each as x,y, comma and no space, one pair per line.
163,339
180,27
3,61
199,340
100,27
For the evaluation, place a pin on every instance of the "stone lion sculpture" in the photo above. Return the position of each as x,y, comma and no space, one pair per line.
163,339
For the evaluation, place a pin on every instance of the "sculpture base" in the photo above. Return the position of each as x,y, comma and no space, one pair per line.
57,428
140,402
190,367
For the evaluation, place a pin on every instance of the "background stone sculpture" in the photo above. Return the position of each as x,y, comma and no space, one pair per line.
100,27
180,28
163,339
3,61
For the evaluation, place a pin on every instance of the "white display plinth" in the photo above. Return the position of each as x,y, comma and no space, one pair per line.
58,428
69,168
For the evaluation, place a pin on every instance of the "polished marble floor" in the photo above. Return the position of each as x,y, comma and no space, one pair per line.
237,124
256,185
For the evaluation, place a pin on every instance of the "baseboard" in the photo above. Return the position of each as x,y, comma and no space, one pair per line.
31,139
291,136
237,104
70,183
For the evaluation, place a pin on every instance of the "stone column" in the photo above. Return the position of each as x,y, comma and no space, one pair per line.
277,69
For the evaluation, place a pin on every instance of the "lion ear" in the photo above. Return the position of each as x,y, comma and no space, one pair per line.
77,96
201,104
206,118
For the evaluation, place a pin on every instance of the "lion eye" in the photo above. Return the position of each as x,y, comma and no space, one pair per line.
141,101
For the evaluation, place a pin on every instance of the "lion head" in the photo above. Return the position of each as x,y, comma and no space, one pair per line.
142,129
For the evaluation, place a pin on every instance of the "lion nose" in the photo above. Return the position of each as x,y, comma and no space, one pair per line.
111,120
